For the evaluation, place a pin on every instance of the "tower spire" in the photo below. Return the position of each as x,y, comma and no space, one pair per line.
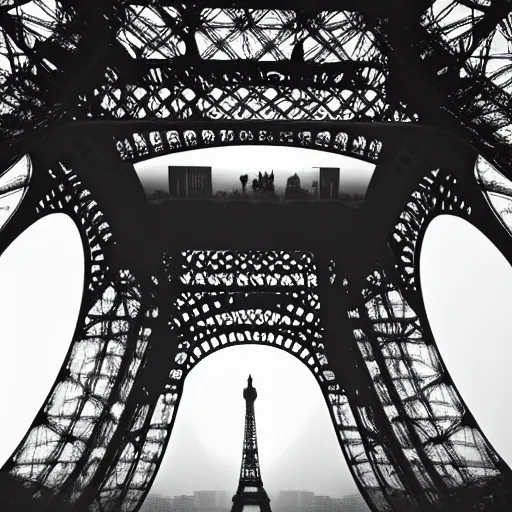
250,491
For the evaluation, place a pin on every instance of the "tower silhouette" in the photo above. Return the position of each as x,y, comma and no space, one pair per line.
250,487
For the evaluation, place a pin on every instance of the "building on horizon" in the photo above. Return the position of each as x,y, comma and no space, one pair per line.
182,503
323,504
190,182
211,501
293,501
329,182
353,503
284,501
307,501
196,182
157,503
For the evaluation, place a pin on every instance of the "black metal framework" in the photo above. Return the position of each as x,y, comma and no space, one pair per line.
250,486
420,88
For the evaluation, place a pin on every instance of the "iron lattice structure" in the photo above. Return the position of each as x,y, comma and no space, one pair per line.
420,88
250,486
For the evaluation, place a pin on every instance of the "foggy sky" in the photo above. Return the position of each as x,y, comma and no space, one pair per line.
297,444
467,285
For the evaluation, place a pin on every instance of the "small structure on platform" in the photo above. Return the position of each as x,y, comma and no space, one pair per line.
329,182
190,182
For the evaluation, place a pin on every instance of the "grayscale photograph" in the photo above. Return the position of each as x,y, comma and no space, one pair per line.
255,256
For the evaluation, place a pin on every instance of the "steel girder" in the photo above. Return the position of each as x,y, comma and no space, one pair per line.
420,61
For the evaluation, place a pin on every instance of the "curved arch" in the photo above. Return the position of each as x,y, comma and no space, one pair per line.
66,193
344,64
59,453
436,193
429,405
287,341
61,229
149,444
253,318
144,145
289,338
488,249
255,362
144,446
211,321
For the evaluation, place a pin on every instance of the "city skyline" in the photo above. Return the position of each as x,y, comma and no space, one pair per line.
283,500
229,163
270,491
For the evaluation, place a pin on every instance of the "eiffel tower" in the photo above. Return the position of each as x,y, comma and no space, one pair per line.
420,89
250,494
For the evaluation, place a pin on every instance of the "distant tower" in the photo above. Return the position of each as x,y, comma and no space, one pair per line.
250,495
292,187
329,182
190,182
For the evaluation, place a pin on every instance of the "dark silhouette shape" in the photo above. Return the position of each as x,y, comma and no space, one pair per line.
329,182
265,182
250,486
293,190
298,52
270,183
243,179
159,194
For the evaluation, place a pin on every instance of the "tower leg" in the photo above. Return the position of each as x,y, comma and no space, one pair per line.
391,480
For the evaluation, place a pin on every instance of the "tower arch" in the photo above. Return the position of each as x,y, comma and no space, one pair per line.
444,258
142,145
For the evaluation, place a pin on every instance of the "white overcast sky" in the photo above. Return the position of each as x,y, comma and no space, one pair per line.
467,285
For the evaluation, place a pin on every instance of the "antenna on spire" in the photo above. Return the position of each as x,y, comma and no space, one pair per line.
250,391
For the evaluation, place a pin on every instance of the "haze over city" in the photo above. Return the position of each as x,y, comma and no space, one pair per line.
41,275
229,163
